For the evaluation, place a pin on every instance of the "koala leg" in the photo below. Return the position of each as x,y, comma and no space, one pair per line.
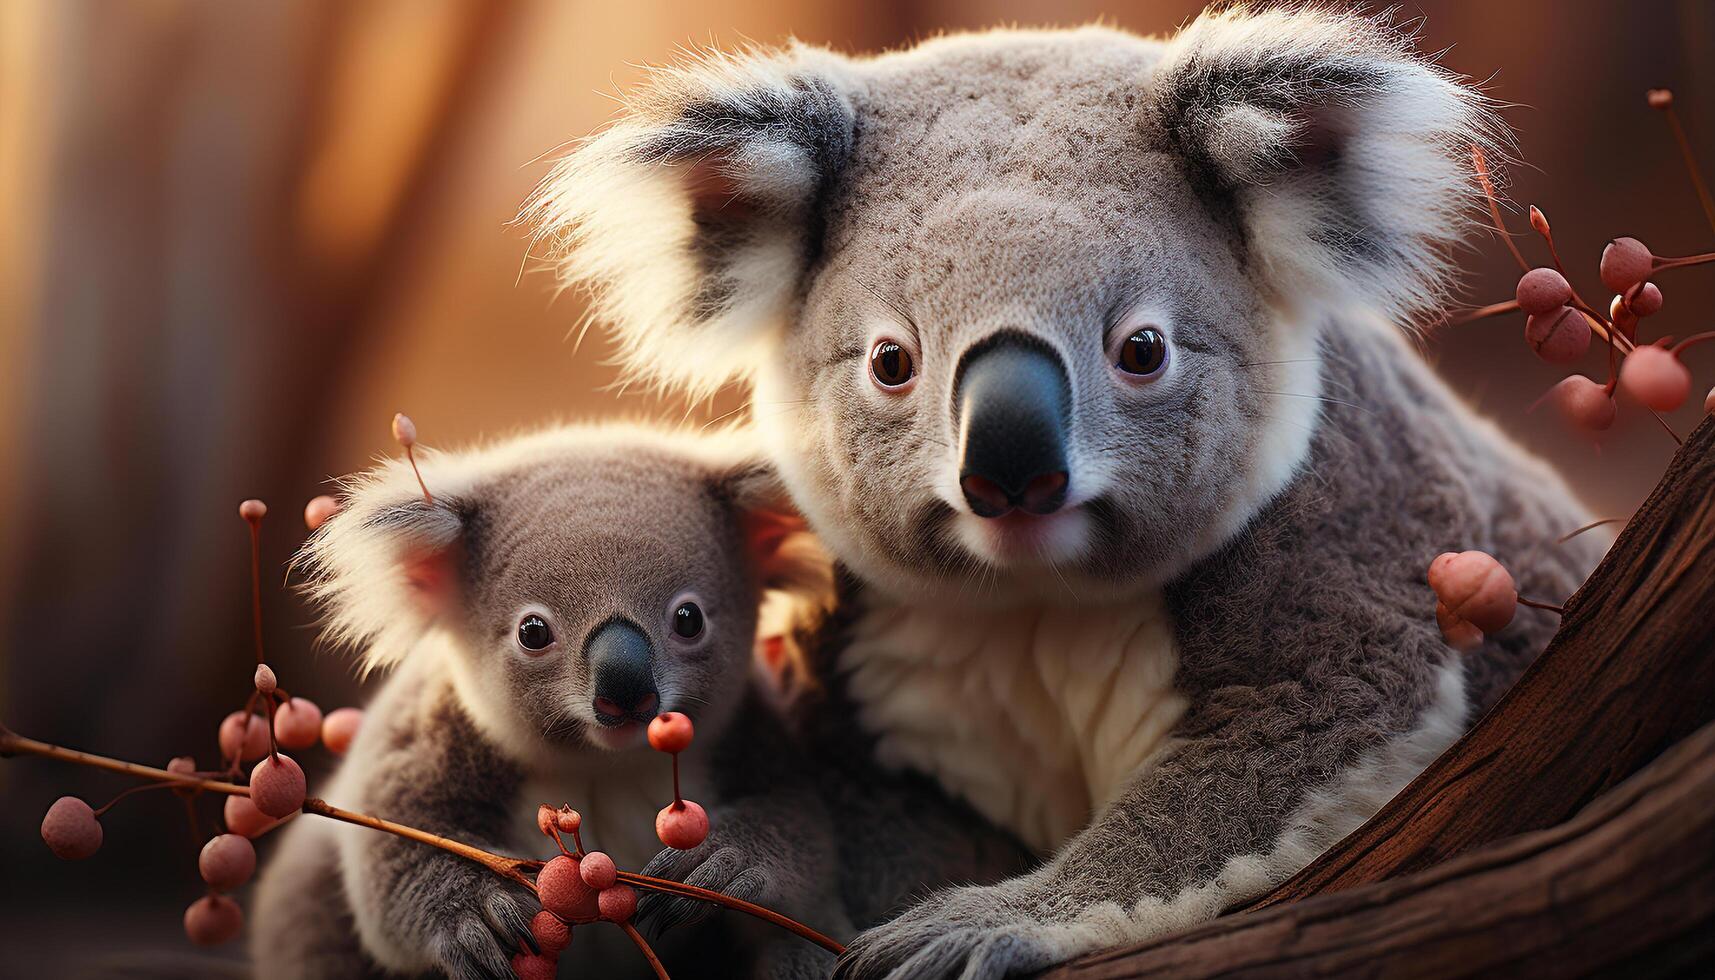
302,927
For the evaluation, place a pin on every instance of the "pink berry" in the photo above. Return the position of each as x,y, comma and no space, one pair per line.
227,861
298,723
253,510
1460,635
243,736
339,729
183,765
318,510
1475,588
213,919
277,786
1625,263
563,892
551,932
617,903
545,820
242,818
1541,290
71,830
568,820
1656,378
1644,299
598,870
404,430
1584,403
530,966
670,732
682,825
1659,98
1559,336
266,682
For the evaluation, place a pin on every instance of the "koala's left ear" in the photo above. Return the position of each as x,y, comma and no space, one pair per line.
691,220
786,556
1343,153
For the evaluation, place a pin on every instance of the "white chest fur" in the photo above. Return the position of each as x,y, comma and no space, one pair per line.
1038,717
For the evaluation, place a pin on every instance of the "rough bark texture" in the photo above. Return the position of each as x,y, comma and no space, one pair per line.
1628,883
1626,887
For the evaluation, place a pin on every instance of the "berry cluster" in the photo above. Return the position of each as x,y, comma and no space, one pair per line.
1475,594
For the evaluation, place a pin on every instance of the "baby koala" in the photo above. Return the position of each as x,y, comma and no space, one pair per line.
545,599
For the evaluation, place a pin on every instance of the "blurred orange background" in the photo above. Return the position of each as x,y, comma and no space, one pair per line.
238,236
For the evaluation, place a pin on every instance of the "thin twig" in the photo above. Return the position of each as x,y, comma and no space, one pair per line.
644,948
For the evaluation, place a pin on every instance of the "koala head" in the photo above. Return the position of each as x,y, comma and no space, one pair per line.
577,581
1025,313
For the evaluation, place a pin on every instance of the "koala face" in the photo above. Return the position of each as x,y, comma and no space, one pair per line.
1027,314
587,579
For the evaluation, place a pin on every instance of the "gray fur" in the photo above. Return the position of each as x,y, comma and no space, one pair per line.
1268,190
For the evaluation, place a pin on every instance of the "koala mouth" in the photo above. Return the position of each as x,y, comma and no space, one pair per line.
1019,538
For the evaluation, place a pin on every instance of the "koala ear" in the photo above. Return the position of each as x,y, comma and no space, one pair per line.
691,220
386,566
1345,155
786,556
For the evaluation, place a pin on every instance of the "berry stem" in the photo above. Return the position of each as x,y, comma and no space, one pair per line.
1569,535
1696,338
1535,604
1483,313
256,581
1691,168
411,455
644,948
1481,166
1661,262
513,869
678,801
129,792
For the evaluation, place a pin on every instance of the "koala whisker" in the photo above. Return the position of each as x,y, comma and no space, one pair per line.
1321,398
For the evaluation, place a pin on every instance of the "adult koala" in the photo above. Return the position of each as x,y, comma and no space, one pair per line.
1078,349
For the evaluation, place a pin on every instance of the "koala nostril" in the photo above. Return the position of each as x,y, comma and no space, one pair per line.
605,707
986,497
647,705
1045,493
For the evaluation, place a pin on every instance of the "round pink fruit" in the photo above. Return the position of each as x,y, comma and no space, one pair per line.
242,818
253,510
598,870
266,682
1656,378
227,861
568,820
1460,635
1558,336
551,932
1644,299
563,892
1584,403
530,966
617,903
244,736
339,729
1474,587
671,732
277,786
682,825
298,723
213,919
1541,290
1625,263
319,510
71,830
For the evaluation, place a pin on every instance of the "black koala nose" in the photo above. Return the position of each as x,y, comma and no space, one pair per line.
620,658
1014,407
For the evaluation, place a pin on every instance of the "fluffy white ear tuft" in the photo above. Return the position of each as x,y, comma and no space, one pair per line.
691,220
385,567
1344,153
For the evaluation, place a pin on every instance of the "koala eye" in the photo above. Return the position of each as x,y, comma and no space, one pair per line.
890,364
1142,353
534,633
688,621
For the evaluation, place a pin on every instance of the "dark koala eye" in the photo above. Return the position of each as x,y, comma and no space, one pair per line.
890,365
534,633
688,621
1142,353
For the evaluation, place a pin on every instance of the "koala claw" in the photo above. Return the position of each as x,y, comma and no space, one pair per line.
728,870
970,933
478,935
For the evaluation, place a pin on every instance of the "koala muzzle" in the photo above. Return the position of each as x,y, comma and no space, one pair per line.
1014,407
620,658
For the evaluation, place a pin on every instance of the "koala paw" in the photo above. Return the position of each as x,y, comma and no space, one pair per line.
973,933
476,929
714,864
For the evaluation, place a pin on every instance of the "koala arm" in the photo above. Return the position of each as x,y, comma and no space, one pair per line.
421,761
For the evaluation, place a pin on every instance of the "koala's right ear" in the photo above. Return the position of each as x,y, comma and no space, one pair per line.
690,221
386,566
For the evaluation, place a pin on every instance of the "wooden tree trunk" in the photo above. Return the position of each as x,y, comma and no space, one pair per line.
1632,880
